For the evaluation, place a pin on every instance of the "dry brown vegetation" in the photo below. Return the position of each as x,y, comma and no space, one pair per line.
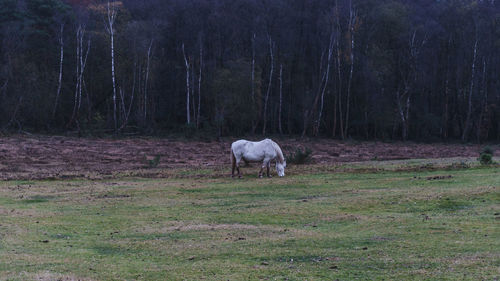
43,157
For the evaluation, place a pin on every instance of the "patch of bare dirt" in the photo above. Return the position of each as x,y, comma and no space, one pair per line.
45,157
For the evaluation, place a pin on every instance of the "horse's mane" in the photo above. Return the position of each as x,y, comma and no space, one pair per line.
279,153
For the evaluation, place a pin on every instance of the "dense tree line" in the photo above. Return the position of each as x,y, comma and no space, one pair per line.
374,69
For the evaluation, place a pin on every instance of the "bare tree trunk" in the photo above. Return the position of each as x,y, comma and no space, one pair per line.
81,62
110,28
407,117
281,100
309,113
14,114
269,85
253,70
78,69
193,100
444,126
61,60
123,110
471,90
188,113
254,109
334,130
446,113
327,75
199,86
339,74
484,104
89,104
403,111
352,19
147,79
127,115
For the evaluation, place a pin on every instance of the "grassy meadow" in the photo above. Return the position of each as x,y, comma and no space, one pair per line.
314,224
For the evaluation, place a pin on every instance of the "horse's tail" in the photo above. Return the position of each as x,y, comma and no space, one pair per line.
233,159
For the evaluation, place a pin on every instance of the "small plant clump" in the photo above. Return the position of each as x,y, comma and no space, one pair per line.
486,156
152,163
300,156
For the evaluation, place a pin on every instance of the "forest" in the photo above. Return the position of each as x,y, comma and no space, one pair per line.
424,70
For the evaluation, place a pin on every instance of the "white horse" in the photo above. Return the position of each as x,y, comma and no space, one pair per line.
265,151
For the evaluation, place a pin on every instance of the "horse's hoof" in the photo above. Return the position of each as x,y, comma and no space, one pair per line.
240,177
269,176
260,176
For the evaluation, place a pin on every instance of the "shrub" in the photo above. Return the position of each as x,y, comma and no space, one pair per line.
300,156
487,150
486,159
486,156
152,163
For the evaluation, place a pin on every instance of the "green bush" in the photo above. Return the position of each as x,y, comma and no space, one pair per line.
487,150
151,163
486,156
300,156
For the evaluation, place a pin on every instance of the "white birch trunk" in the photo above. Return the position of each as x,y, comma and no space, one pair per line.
110,28
127,114
352,18
81,61
188,113
281,99
327,75
253,70
483,103
61,61
471,91
199,86
193,103
339,73
269,85
255,112
78,55
147,79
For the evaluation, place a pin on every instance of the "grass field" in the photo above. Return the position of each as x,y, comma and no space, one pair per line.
357,224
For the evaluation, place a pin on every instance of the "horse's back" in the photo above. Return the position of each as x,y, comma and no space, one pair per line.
253,151
238,143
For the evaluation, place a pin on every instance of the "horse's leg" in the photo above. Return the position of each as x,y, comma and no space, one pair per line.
239,173
268,167
238,160
264,165
232,169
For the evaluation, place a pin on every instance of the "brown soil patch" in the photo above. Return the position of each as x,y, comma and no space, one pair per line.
44,157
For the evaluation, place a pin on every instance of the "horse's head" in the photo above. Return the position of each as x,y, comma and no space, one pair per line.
280,168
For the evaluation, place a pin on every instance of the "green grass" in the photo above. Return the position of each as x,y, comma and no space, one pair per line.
374,225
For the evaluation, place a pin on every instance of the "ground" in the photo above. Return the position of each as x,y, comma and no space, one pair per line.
417,219
43,157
